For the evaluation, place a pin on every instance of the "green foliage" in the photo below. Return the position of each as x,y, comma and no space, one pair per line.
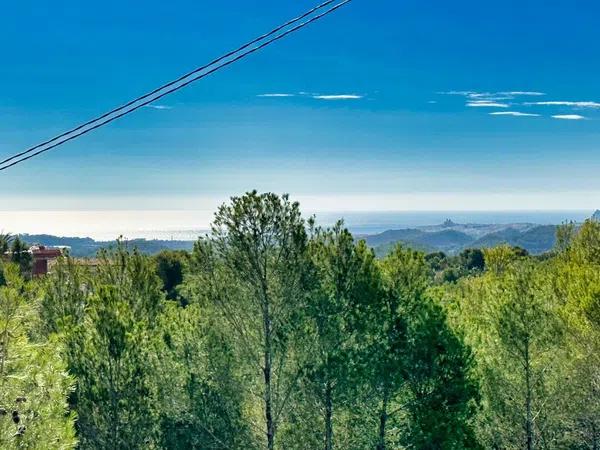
254,271
284,335
34,384
114,375
498,259
424,369
63,298
472,259
5,242
170,267
564,236
437,261
577,288
200,398
446,269
441,392
513,323
19,255
347,280
107,320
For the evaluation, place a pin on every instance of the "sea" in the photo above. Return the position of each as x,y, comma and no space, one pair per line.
188,225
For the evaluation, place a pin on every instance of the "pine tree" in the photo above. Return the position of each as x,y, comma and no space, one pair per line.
253,270
34,384
347,278
110,353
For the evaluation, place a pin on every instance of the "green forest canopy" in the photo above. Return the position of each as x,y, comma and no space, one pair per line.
274,333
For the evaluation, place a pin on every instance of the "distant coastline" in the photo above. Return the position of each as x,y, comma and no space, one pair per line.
188,225
378,222
446,231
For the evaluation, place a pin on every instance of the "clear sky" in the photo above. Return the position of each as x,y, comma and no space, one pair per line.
389,105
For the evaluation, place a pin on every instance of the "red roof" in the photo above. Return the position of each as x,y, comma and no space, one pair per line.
43,252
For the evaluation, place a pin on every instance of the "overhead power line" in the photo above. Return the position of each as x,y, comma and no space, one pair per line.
171,83
175,85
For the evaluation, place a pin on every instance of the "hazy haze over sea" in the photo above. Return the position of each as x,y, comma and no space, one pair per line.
188,225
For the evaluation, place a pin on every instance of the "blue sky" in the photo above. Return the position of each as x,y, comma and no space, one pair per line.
392,105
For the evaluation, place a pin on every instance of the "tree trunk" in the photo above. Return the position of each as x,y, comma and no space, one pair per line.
114,405
382,422
269,405
267,373
328,417
529,420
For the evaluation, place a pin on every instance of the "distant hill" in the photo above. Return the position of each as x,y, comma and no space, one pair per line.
536,239
596,215
446,240
384,249
448,237
87,247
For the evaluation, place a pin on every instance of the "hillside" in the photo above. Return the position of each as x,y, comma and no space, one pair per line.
449,237
536,240
447,240
87,247
452,238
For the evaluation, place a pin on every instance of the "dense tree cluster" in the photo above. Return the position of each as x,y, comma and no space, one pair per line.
275,333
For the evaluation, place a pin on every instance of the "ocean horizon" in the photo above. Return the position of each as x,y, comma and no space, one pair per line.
188,225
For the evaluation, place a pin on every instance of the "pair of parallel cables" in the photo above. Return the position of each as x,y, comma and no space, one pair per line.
221,62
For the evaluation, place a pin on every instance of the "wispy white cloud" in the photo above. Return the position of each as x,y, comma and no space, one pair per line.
338,97
464,93
486,104
479,94
314,95
524,93
162,107
587,104
276,95
488,96
513,113
568,117
506,99
493,96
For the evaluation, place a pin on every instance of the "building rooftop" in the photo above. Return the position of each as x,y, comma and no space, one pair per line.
40,251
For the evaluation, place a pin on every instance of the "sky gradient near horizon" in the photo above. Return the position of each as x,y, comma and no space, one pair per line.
385,105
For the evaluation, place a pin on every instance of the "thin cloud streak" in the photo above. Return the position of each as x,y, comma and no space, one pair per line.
315,96
502,95
525,93
487,104
159,107
568,117
489,97
513,113
464,93
586,104
276,95
338,97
